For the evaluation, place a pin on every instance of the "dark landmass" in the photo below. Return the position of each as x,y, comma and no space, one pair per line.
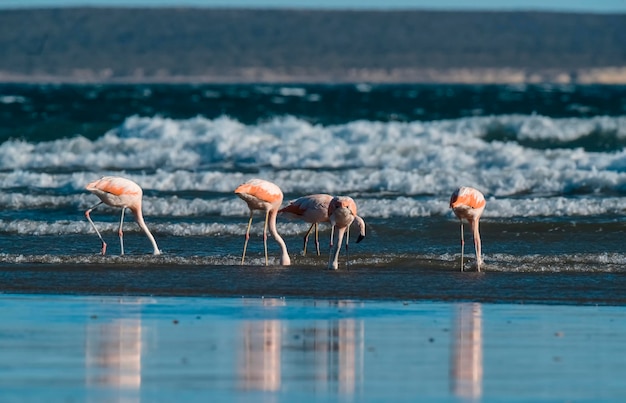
228,45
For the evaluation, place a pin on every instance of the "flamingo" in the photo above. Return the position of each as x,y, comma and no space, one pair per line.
123,193
341,213
312,209
262,195
468,204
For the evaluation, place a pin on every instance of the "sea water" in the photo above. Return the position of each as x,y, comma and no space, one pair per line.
549,159
160,349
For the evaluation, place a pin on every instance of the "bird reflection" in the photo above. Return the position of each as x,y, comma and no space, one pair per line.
467,352
329,353
260,367
261,355
113,353
344,350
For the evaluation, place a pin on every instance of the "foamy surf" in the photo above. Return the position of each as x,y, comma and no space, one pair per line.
414,158
358,263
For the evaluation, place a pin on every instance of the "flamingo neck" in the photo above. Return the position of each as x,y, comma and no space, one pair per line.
361,224
142,224
284,258
477,243
333,262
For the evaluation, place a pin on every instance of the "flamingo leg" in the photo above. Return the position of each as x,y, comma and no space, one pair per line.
330,247
104,245
462,245
306,239
267,214
317,239
245,244
120,233
347,252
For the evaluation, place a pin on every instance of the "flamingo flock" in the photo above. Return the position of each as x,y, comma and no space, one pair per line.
339,211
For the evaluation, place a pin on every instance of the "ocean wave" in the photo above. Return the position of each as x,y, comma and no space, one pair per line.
504,263
292,143
572,263
404,207
229,206
190,167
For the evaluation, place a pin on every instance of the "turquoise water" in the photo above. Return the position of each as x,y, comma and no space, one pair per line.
132,349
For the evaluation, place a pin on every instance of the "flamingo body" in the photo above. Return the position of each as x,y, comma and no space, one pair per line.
312,209
123,193
342,212
468,204
262,195
116,191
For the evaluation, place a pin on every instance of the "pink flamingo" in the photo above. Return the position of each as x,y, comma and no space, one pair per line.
341,213
123,193
468,204
312,209
262,195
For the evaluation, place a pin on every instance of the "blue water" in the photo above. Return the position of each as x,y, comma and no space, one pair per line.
60,348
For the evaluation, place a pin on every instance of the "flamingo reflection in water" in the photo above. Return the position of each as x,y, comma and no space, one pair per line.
467,351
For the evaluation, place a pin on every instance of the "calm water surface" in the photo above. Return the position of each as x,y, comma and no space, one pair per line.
66,348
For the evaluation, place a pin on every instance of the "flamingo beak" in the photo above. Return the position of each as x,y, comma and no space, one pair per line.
360,238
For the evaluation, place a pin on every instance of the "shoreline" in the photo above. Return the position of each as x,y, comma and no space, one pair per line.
478,76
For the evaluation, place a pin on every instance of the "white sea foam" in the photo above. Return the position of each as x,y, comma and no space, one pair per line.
574,263
12,99
391,169
109,227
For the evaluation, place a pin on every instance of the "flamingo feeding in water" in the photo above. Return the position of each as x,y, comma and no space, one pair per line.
468,204
122,193
341,213
262,195
312,209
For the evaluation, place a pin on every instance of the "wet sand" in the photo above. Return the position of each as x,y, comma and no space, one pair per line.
99,348
429,281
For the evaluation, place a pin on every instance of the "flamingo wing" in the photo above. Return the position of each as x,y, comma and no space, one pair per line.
261,190
294,208
115,186
311,208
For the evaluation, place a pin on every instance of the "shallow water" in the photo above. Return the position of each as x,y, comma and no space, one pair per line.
77,348
558,245
201,279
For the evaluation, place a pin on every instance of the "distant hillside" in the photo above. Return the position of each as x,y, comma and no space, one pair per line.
91,44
